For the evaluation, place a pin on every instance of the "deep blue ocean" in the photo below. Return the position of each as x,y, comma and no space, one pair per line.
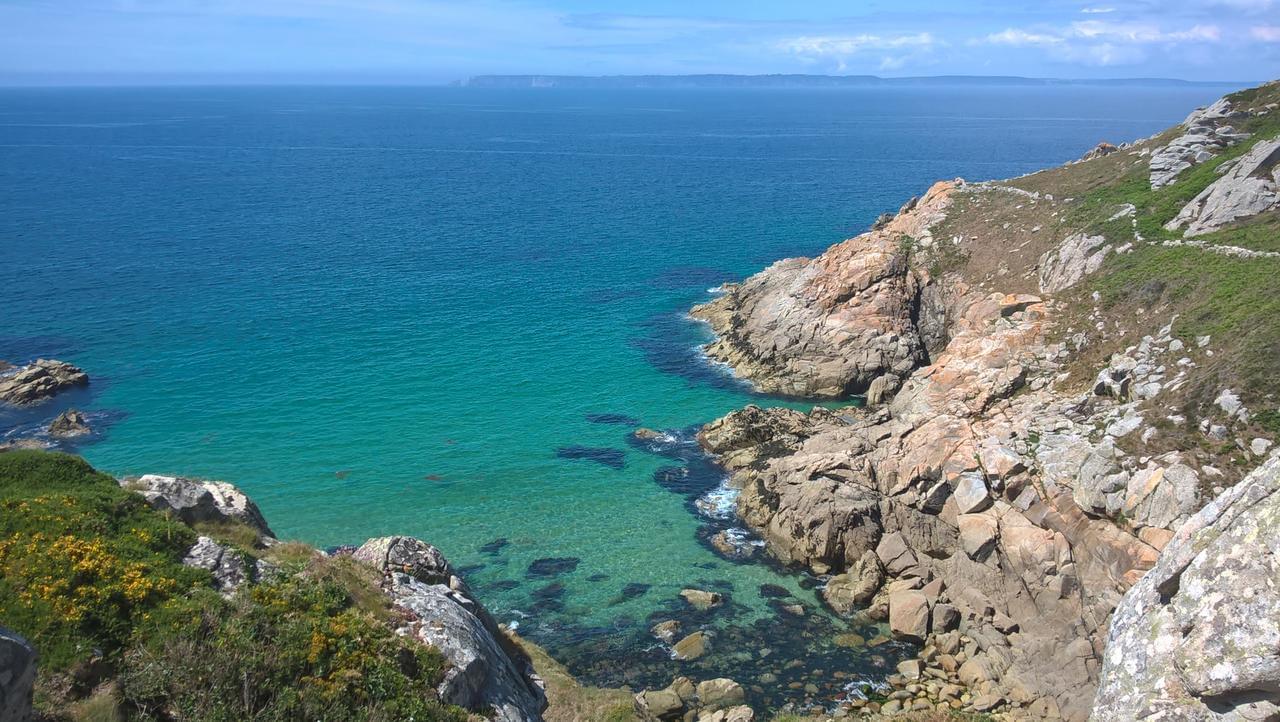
440,312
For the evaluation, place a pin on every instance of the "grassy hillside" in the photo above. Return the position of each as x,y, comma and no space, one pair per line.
93,578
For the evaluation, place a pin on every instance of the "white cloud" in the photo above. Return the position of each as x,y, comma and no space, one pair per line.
845,45
1014,36
1142,32
1097,11
1266,33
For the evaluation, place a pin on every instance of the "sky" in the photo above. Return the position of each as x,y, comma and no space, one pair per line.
430,41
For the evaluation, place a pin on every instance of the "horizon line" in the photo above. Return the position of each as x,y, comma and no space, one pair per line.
109,80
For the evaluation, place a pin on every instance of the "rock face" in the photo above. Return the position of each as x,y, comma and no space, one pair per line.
70,423
1250,187
17,676
39,381
486,671
982,478
1198,638
830,326
193,500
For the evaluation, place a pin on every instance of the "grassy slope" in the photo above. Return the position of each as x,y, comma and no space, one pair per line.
93,577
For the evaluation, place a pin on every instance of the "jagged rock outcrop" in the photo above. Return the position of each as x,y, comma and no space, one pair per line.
1251,186
1100,150
229,567
1205,137
39,381
17,676
1198,638
70,423
195,500
832,325
486,670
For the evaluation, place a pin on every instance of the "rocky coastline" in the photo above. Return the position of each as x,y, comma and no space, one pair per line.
1036,467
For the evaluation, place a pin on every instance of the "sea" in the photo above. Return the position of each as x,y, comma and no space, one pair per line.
442,312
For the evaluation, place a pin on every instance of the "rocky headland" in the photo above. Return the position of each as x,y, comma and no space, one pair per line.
1059,483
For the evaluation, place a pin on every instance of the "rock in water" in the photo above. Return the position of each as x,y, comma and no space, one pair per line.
17,676
70,423
39,381
700,600
1199,636
195,500
691,647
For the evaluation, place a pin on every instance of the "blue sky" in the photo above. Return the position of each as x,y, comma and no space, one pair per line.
433,41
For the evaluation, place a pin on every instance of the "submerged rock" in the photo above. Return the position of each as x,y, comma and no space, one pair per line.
702,600
40,381
612,458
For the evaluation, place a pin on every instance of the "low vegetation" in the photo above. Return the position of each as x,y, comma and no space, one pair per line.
93,577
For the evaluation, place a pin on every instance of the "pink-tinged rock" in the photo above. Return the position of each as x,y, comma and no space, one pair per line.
977,534
971,493
909,615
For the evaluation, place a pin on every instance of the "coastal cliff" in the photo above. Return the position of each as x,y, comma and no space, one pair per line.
1066,375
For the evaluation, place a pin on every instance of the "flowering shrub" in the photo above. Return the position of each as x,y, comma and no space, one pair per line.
81,560
299,648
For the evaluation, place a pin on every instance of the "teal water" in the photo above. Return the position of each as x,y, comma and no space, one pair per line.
384,310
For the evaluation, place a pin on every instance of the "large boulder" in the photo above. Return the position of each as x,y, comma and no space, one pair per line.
1198,637
17,676
194,500
1250,187
39,381
486,672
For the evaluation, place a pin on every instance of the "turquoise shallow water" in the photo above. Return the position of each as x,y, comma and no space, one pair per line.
384,310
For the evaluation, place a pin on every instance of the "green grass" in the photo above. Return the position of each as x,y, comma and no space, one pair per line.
302,648
1235,301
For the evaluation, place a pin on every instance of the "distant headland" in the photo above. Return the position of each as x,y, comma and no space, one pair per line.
712,80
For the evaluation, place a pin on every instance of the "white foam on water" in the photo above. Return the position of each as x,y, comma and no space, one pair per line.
720,503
